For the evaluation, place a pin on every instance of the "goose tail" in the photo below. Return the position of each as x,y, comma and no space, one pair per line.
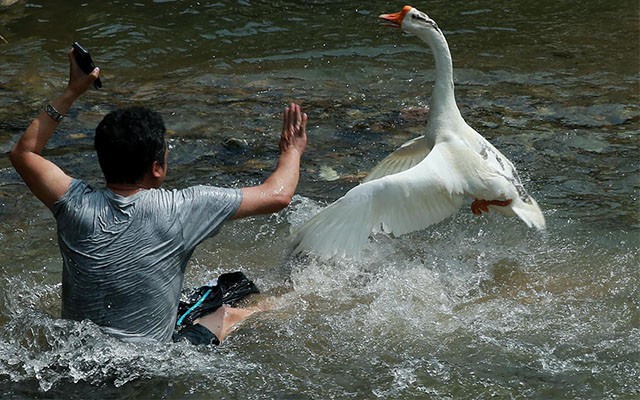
530,213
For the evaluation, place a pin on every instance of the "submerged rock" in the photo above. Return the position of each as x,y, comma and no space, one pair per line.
7,3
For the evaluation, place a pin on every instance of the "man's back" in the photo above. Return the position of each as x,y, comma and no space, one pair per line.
125,247
124,257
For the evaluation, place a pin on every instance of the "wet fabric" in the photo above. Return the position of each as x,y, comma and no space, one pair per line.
227,290
196,334
124,257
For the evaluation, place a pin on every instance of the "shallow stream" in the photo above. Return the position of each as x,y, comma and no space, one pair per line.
469,308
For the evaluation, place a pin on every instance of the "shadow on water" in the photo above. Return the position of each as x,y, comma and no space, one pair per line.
469,308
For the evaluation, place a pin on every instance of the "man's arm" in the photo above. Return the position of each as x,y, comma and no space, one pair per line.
278,189
45,179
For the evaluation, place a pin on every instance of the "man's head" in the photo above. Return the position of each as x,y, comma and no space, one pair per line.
128,142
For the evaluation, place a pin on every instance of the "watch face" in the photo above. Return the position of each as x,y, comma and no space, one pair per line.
53,113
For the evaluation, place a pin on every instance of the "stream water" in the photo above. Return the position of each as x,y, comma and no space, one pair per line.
473,307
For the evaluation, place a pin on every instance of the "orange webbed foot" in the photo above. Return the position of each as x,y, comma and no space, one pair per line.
478,206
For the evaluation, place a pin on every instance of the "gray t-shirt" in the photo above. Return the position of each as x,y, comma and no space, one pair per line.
124,257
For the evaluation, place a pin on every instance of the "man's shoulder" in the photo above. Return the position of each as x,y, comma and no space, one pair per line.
77,187
77,201
197,191
207,197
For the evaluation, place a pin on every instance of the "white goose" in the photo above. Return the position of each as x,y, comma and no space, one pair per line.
427,178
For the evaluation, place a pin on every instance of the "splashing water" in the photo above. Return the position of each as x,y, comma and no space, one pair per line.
469,308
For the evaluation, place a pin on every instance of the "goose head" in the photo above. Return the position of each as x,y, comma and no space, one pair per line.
411,20
414,21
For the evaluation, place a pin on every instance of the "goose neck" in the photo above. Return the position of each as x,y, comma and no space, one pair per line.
442,98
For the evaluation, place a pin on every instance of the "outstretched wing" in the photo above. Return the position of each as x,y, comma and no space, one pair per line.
396,204
404,157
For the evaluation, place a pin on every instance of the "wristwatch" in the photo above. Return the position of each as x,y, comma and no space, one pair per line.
53,113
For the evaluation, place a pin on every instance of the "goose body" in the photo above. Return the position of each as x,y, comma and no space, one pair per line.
426,179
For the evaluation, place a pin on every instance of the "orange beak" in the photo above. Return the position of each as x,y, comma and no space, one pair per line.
395,20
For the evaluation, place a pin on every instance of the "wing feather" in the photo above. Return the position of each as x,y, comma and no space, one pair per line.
396,204
403,158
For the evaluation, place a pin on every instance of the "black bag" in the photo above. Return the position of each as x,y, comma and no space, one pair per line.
230,288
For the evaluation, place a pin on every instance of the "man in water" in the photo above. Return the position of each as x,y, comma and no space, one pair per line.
125,247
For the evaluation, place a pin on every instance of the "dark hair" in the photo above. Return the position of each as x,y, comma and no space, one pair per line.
128,141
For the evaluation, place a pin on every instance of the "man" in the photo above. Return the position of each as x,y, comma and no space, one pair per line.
125,247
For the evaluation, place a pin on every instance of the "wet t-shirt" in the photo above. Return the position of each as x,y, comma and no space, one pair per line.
124,257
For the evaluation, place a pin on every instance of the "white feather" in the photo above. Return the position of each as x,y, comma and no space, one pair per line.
427,178
405,157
